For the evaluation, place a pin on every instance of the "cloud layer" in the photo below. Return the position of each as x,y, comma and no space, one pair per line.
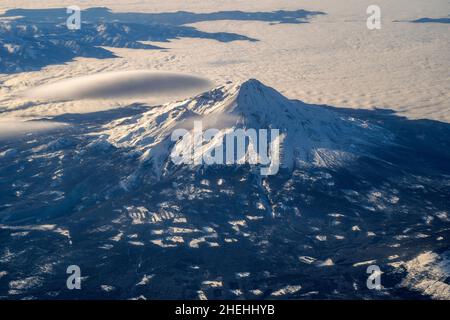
16,127
123,84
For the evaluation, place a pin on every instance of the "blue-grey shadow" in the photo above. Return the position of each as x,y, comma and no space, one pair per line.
431,20
94,15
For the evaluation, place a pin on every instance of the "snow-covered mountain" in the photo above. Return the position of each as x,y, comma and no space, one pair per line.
310,135
356,188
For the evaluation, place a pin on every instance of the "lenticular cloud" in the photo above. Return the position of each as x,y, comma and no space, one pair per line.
122,84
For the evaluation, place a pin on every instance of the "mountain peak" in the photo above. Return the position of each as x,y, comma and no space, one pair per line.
254,95
252,82
252,85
